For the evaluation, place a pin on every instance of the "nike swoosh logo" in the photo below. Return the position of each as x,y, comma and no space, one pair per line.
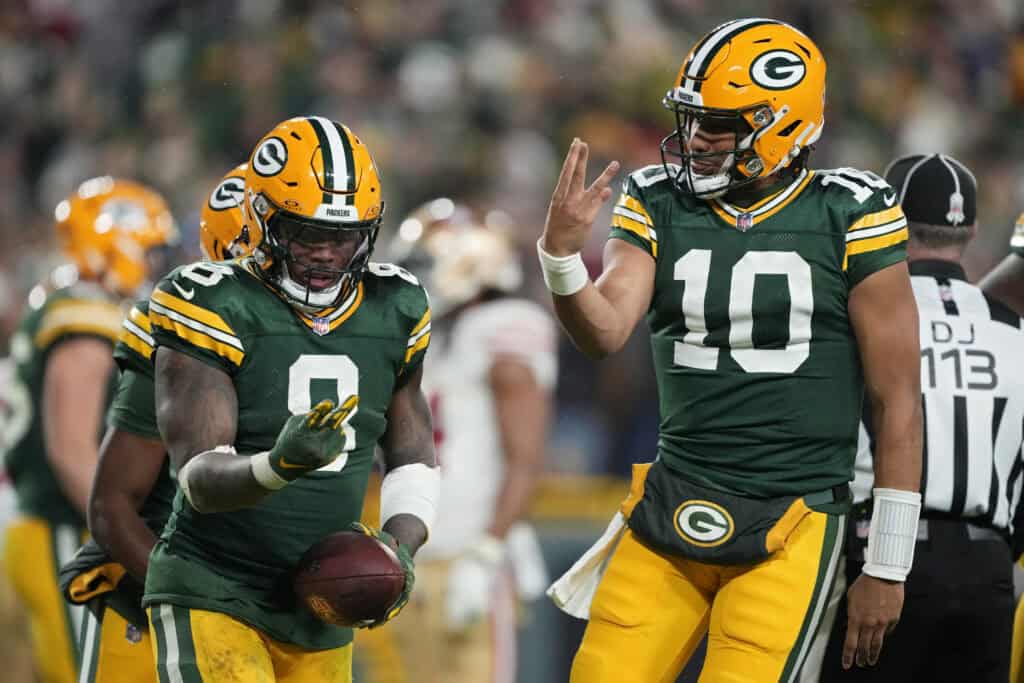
288,466
186,293
889,200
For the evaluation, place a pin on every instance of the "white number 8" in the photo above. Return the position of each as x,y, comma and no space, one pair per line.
344,372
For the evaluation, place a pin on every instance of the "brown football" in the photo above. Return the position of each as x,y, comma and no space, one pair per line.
348,578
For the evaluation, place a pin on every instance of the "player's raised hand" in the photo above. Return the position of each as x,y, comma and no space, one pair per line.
573,207
311,440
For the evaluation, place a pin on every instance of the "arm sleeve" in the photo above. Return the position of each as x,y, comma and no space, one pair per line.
876,237
134,349
198,325
631,221
133,408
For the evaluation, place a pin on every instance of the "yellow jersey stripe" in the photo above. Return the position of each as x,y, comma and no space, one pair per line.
638,229
79,317
423,342
767,207
878,218
197,338
424,321
136,344
202,315
875,243
343,313
139,318
634,204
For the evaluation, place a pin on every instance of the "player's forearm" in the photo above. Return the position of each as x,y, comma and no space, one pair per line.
115,523
517,490
219,481
898,440
591,321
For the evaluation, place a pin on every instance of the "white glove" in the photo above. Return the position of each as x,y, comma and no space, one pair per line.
471,579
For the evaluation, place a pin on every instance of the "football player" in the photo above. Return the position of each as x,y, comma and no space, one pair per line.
109,230
490,390
276,378
1006,281
133,489
774,294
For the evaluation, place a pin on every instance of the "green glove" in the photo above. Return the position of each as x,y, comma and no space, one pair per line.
405,557
308,442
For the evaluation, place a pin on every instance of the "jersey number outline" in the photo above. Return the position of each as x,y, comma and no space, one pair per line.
694,268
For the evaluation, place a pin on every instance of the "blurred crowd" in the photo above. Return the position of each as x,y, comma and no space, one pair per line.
475,100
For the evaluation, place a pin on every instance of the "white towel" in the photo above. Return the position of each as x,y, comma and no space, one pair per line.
574,591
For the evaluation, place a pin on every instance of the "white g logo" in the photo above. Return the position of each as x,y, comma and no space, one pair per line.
270,157
778,70
228,195
703,523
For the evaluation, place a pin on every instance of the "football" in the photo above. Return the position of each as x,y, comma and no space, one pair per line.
349,578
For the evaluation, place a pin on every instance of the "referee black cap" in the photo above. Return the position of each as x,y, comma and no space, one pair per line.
935,189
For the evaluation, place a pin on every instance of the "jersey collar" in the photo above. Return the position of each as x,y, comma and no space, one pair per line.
745,218
939,268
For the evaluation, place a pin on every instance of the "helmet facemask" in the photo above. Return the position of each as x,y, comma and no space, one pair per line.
317,264
732,168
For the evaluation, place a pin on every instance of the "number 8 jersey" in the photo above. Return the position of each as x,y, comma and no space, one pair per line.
281,363
759,375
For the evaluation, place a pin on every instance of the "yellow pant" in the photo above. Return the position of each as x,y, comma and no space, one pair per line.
416,647
33,552
651,611
116,651
196,646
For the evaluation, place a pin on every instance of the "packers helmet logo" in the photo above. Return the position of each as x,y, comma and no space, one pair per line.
270,157
228,195
703,523
778,70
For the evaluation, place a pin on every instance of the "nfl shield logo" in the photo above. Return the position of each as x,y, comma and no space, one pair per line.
321,326
744,222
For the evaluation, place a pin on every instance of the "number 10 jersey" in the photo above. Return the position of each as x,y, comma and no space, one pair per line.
281,364
759,376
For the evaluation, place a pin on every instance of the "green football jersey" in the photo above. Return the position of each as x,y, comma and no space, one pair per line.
134,408
82,309
281,363
759,377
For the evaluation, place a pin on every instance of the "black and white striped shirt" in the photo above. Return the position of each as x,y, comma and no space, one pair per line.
972,385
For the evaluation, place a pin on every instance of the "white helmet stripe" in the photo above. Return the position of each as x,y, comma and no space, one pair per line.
341,170
714,42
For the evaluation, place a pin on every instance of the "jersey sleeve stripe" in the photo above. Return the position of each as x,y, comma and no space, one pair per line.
878,218
638,229
188,333
421,343
137,340
419,335
167,314
208,318
633,204
78,317
140,319
424,321
868,233
876,243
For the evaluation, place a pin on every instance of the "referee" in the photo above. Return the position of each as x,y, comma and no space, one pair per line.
957,617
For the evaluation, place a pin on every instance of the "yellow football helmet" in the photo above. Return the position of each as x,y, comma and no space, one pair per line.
311,179
109,227
223,232
456,253
762,79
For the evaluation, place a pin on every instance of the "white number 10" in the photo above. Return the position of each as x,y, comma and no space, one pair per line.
694,268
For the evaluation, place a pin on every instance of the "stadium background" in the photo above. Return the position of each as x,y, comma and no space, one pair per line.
478,100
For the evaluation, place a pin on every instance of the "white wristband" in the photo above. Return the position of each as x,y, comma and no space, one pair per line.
411,489
264,474
564,275
890,551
